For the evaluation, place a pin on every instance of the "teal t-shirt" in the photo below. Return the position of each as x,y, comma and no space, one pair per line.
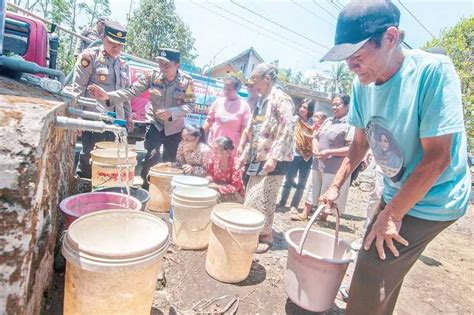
422,100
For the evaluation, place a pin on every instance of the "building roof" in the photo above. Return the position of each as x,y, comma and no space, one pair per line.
229,61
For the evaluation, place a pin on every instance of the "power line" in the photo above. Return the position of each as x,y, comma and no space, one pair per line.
279,25
252,29
253,23
340,4
312,13
324,9
419,22
334,5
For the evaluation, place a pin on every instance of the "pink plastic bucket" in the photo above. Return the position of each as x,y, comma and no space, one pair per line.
76,206
316,265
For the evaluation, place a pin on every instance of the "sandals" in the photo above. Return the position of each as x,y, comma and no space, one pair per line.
299,217
263,247
344,293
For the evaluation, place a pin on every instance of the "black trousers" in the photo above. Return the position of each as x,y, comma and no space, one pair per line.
89,139
301,168
154,139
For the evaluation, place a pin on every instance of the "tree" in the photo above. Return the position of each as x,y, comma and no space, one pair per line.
298,78
458,42
96,10
340,79
284,75
155,24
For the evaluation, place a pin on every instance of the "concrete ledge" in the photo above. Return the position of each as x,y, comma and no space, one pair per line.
36,163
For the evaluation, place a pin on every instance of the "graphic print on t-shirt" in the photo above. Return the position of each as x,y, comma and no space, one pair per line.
385,149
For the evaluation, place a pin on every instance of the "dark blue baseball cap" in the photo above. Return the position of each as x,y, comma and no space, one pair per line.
358,22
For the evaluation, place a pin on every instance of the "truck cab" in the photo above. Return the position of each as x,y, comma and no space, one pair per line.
26,37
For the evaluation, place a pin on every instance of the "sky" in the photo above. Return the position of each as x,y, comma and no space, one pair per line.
305,27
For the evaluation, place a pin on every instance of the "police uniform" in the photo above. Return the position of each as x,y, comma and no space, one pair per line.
95,66
176,96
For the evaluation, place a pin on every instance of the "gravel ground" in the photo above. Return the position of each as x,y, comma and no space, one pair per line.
440,282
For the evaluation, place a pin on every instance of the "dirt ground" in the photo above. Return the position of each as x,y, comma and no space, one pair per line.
440,282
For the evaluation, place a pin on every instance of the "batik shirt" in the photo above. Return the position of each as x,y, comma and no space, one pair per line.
270,130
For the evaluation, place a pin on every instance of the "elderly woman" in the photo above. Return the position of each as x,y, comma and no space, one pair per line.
330,146
228,115
301,164
222,172
193,152
268,147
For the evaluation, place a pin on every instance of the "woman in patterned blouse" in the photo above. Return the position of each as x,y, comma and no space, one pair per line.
193,152
223,174
267,144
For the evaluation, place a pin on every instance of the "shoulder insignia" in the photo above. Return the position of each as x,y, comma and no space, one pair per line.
85,60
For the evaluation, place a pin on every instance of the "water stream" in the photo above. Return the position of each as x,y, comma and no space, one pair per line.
122,146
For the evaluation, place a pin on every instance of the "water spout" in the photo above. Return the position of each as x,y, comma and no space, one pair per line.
87,125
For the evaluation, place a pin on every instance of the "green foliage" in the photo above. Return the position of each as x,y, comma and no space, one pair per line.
95,10
64,12
156,24
458,42
339,79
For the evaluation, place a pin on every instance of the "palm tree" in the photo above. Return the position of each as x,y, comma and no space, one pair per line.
340,79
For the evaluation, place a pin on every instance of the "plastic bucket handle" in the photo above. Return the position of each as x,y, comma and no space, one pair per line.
311,222
238,243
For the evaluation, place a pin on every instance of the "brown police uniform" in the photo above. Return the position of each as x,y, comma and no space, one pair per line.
177,97
95,66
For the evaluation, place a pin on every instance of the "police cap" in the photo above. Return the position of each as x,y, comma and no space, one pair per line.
168,55
115,32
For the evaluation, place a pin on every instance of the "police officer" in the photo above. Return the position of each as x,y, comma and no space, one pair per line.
172,98
104,67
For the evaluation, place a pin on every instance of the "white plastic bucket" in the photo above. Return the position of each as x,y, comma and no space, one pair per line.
232,242
113,261
108,168
113,145
160,177
189,181
316,265
192,207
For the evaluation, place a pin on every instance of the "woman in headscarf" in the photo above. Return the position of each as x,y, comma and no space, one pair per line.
301,164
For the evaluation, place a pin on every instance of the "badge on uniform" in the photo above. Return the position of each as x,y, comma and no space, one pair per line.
102,74
85,62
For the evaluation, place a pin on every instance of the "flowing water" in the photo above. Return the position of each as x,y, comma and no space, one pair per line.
121,141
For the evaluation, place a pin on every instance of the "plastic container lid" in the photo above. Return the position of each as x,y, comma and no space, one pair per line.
115,238
238,218
195,193
112,153
188,180
164,169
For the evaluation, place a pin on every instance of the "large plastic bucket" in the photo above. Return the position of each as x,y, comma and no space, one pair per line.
316,265
159,179
76,206
113,261
141,194
110,170
113,145
232,242
192,207
189,181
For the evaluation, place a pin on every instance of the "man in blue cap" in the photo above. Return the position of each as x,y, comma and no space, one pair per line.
407,108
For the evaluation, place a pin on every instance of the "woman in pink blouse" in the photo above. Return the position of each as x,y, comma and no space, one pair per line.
223,174
228,115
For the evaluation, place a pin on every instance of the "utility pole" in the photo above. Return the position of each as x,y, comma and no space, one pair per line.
129,12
